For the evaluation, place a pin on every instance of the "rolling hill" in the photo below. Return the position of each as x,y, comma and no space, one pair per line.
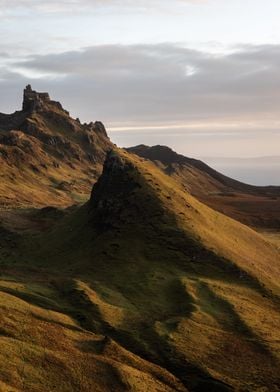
142,288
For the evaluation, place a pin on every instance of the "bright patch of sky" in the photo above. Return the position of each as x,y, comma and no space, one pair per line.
42,27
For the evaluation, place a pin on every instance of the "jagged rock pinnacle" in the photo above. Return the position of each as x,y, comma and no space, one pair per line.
32,100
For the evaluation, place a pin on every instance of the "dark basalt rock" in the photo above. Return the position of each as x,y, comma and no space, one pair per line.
111,194
33,100
36,102
99,127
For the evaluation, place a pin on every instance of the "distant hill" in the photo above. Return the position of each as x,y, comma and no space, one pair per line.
47,157
252,205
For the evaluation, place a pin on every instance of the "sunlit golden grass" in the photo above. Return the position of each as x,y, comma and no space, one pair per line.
49,187
45,350
273,236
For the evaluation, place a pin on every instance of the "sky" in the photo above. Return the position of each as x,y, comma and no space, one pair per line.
201,76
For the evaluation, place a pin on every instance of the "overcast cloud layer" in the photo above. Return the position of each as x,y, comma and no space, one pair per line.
152,84
163,93
12,7
11,4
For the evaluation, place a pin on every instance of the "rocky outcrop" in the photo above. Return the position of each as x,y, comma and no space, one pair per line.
44,136
112,193
98,127
11,121
34,101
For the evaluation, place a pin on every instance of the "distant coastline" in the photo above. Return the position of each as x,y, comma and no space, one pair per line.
255,171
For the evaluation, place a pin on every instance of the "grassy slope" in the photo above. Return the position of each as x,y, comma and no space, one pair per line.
273,236
44,349
166,277
51,159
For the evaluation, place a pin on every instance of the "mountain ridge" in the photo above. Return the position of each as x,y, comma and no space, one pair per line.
255,206
167,156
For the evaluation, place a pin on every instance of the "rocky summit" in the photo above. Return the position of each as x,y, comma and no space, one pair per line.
33,101
46,156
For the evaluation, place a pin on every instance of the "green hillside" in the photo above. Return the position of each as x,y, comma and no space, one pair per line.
144,288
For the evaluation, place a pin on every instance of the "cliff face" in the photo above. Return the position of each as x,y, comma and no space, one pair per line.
47,157
32,100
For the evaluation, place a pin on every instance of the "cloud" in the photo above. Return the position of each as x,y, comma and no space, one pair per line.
164,82
55,6
162,92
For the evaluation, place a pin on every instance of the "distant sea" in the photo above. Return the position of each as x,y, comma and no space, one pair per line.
255,171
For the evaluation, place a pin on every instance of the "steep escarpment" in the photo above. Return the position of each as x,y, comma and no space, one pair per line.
46,156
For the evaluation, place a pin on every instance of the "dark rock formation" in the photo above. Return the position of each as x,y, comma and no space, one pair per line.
112,195
99,127
33,100
36,102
